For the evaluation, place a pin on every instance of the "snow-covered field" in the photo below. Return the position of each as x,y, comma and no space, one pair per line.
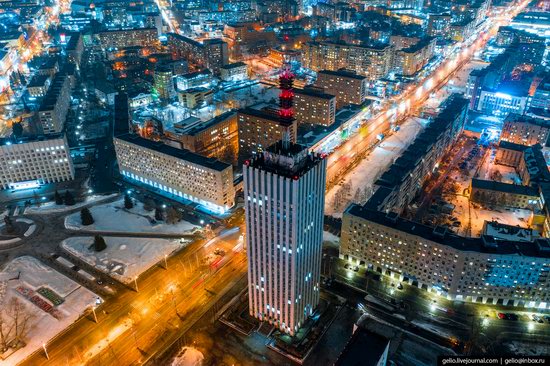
115,218
363,176
21,278
124,258
51,207
188,356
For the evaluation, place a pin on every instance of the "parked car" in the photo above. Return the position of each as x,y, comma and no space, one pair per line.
501,316
537,318
511,316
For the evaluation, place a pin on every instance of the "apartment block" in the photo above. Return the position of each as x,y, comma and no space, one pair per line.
175,172
482,270
314,107
30,163
348,87
373,62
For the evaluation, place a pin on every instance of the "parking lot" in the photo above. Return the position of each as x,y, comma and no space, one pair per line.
445,199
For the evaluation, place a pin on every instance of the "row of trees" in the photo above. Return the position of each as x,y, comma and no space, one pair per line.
67,198
171,216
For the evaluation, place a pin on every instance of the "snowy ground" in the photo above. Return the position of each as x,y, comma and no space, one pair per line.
363,176
51,207
514,217
467,213
331,238
188,356
528,348
124,258
114,217
33,275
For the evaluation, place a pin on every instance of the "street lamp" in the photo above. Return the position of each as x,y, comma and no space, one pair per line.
165,262
135,282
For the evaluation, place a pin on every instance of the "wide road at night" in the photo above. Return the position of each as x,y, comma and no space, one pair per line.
134,326
358,144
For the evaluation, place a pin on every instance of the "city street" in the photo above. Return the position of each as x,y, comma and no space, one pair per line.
169,300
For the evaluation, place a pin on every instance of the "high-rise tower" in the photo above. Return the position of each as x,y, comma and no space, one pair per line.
284,190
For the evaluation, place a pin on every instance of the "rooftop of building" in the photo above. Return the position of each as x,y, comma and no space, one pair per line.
443,236
312,134
192,75
288,159
195,129
364,348
536,164
503,231
131,30
38,80
7,141
373,46
491,185
182,154
105,86
424,42
234,65
343,73
264,114
314,93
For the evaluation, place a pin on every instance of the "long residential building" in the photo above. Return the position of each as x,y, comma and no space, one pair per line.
143,37
30,163
482,269
55,105
177,172
398,185
373,62
211,53
284,193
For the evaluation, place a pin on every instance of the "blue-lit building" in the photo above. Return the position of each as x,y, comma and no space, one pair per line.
176,173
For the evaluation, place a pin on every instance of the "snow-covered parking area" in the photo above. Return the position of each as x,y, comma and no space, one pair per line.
113,217
48,300
124,258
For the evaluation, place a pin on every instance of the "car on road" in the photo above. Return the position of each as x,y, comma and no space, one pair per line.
511,316
501,315
537,318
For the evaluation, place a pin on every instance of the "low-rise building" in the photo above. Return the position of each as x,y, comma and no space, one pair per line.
29,163
234,72
39,85
490,192
216,138
314,106
525,130
176,172
105,92
195,97
483,270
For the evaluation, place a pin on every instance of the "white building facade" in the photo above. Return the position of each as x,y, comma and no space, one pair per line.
177,172
284,200
483,270
30,164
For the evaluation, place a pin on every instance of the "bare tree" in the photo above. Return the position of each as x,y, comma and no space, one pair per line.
14,325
